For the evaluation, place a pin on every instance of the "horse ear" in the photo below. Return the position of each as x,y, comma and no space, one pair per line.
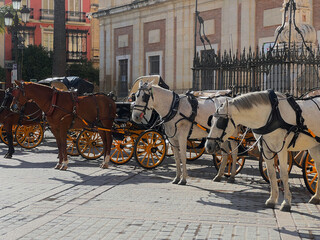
140,83
209,121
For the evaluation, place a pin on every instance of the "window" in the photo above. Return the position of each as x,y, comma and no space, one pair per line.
48,4
28,37
76,45
47,40
74,11
154,65
25,3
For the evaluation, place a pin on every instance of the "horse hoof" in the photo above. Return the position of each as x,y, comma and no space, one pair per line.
285,207
314,200
217,179
63,168
104,166
182,182
270,204
231,180
8,156
175,181
58,166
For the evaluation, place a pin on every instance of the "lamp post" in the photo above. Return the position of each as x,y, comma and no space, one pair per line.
12,22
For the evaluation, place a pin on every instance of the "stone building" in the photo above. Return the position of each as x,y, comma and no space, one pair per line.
158,36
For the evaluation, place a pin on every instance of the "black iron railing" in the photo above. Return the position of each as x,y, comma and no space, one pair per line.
294,73
46,14
74,16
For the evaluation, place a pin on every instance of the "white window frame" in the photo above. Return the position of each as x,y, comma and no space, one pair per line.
150,54
46,31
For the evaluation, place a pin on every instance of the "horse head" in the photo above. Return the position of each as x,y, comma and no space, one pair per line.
143,100
221,128
19,96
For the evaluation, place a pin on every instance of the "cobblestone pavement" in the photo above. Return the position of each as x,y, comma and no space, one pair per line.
128,202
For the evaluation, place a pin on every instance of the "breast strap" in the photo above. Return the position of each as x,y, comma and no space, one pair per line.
173,108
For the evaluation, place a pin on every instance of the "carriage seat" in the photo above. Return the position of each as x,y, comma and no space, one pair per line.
211,93
123,112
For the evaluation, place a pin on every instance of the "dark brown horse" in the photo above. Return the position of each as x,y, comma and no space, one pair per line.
30,114
65,110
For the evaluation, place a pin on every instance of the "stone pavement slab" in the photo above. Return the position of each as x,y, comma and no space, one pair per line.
129,202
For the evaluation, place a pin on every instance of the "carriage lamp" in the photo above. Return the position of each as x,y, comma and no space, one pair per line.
13,23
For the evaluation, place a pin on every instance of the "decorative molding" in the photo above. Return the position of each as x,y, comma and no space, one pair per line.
120,9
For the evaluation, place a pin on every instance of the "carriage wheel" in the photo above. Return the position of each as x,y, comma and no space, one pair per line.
90,144
217,158
263,166
72,136
3,135
122,150
310,174
29,136
193,152
298,158
150,149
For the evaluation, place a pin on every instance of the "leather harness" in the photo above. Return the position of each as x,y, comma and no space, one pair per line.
275,120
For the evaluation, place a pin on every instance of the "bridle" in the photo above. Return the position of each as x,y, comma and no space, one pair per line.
20,90
145,98
222,124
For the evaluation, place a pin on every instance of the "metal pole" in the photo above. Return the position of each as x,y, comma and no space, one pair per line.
16,50
194,82
289,47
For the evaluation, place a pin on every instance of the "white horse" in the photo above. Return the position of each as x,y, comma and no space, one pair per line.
281,128
176,113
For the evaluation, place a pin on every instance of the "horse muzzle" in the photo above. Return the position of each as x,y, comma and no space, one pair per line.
212,146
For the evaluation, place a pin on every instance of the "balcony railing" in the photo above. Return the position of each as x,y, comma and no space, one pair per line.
74,16
46,14
76,56
71,16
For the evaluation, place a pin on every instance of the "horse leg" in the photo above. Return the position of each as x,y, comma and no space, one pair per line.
274,192
176,153
8,129
63,150
56,134
315,153
283,160
107,141
224,161
234,155
183,159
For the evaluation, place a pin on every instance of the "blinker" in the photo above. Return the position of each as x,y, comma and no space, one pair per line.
222,123
145,97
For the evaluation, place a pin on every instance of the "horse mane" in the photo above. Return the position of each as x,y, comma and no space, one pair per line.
249,100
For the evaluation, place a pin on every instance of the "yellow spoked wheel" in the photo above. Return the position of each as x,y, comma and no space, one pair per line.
263,166
217,159
3,135
298,158
150,149
310,174
90,145
72,136
29,136
193,150
122,150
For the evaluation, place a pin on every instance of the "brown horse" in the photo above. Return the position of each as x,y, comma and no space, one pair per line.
30,114
65,110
